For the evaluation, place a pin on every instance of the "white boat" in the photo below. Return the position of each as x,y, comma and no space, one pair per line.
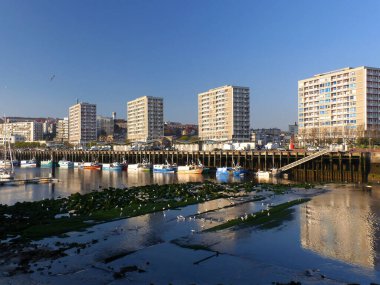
191,169
164,168
263,174
65,164
8,163
223,171
145,166
78,165
29,163
112,166
7,172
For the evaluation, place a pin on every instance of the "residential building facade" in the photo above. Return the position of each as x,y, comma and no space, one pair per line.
342,104
223,114
82,123
145,119
62,134
22,131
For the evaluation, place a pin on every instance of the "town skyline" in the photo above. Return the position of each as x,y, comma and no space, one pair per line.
108,54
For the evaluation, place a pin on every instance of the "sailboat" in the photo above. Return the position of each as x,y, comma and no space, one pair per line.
7,171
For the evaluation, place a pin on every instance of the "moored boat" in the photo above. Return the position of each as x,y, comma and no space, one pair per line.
78,165
28,163
191,169
65,164
7,172
46,163
145,166
263,174
112,166
239,171
223,171
92,166
164,168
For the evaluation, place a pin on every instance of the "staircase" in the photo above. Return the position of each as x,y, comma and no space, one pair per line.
303,160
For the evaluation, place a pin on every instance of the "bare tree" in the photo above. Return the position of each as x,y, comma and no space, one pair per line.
313,135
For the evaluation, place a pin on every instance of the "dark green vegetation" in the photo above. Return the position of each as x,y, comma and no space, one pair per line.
271,215
34,220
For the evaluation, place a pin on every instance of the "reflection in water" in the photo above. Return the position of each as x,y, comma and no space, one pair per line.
84,181
343,224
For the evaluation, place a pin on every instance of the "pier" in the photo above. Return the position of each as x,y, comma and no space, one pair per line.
339,166
34,180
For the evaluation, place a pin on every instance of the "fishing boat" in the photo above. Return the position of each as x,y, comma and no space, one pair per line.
7,163
145,166
223,171
7,169
78,165
112,166
65,164
263,174
28,163
191,169
92,166
164,168
46,163
237,170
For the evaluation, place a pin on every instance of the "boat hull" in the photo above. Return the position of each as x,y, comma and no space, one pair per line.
46,164
66,164
169,170
28,165
112,167
93,167
186,170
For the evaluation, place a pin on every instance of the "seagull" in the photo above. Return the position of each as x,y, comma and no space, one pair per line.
52,78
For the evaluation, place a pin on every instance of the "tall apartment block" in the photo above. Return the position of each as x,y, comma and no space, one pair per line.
223,114
62,134
344,103
82,123
145,119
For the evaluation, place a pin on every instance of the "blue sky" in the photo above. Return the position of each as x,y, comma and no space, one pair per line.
110,52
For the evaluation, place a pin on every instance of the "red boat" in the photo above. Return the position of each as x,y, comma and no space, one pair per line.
92,165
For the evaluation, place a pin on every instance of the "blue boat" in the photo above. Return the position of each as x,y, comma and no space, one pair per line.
164,168
239,171
112,166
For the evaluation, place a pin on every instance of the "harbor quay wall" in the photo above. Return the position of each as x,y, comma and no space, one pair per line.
353,166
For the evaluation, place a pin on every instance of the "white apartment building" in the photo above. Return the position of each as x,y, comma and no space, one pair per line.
62,134
344,104
145,119
22,131
82,123
223,114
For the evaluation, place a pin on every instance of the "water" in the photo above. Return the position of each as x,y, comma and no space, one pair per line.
337,234
84,181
